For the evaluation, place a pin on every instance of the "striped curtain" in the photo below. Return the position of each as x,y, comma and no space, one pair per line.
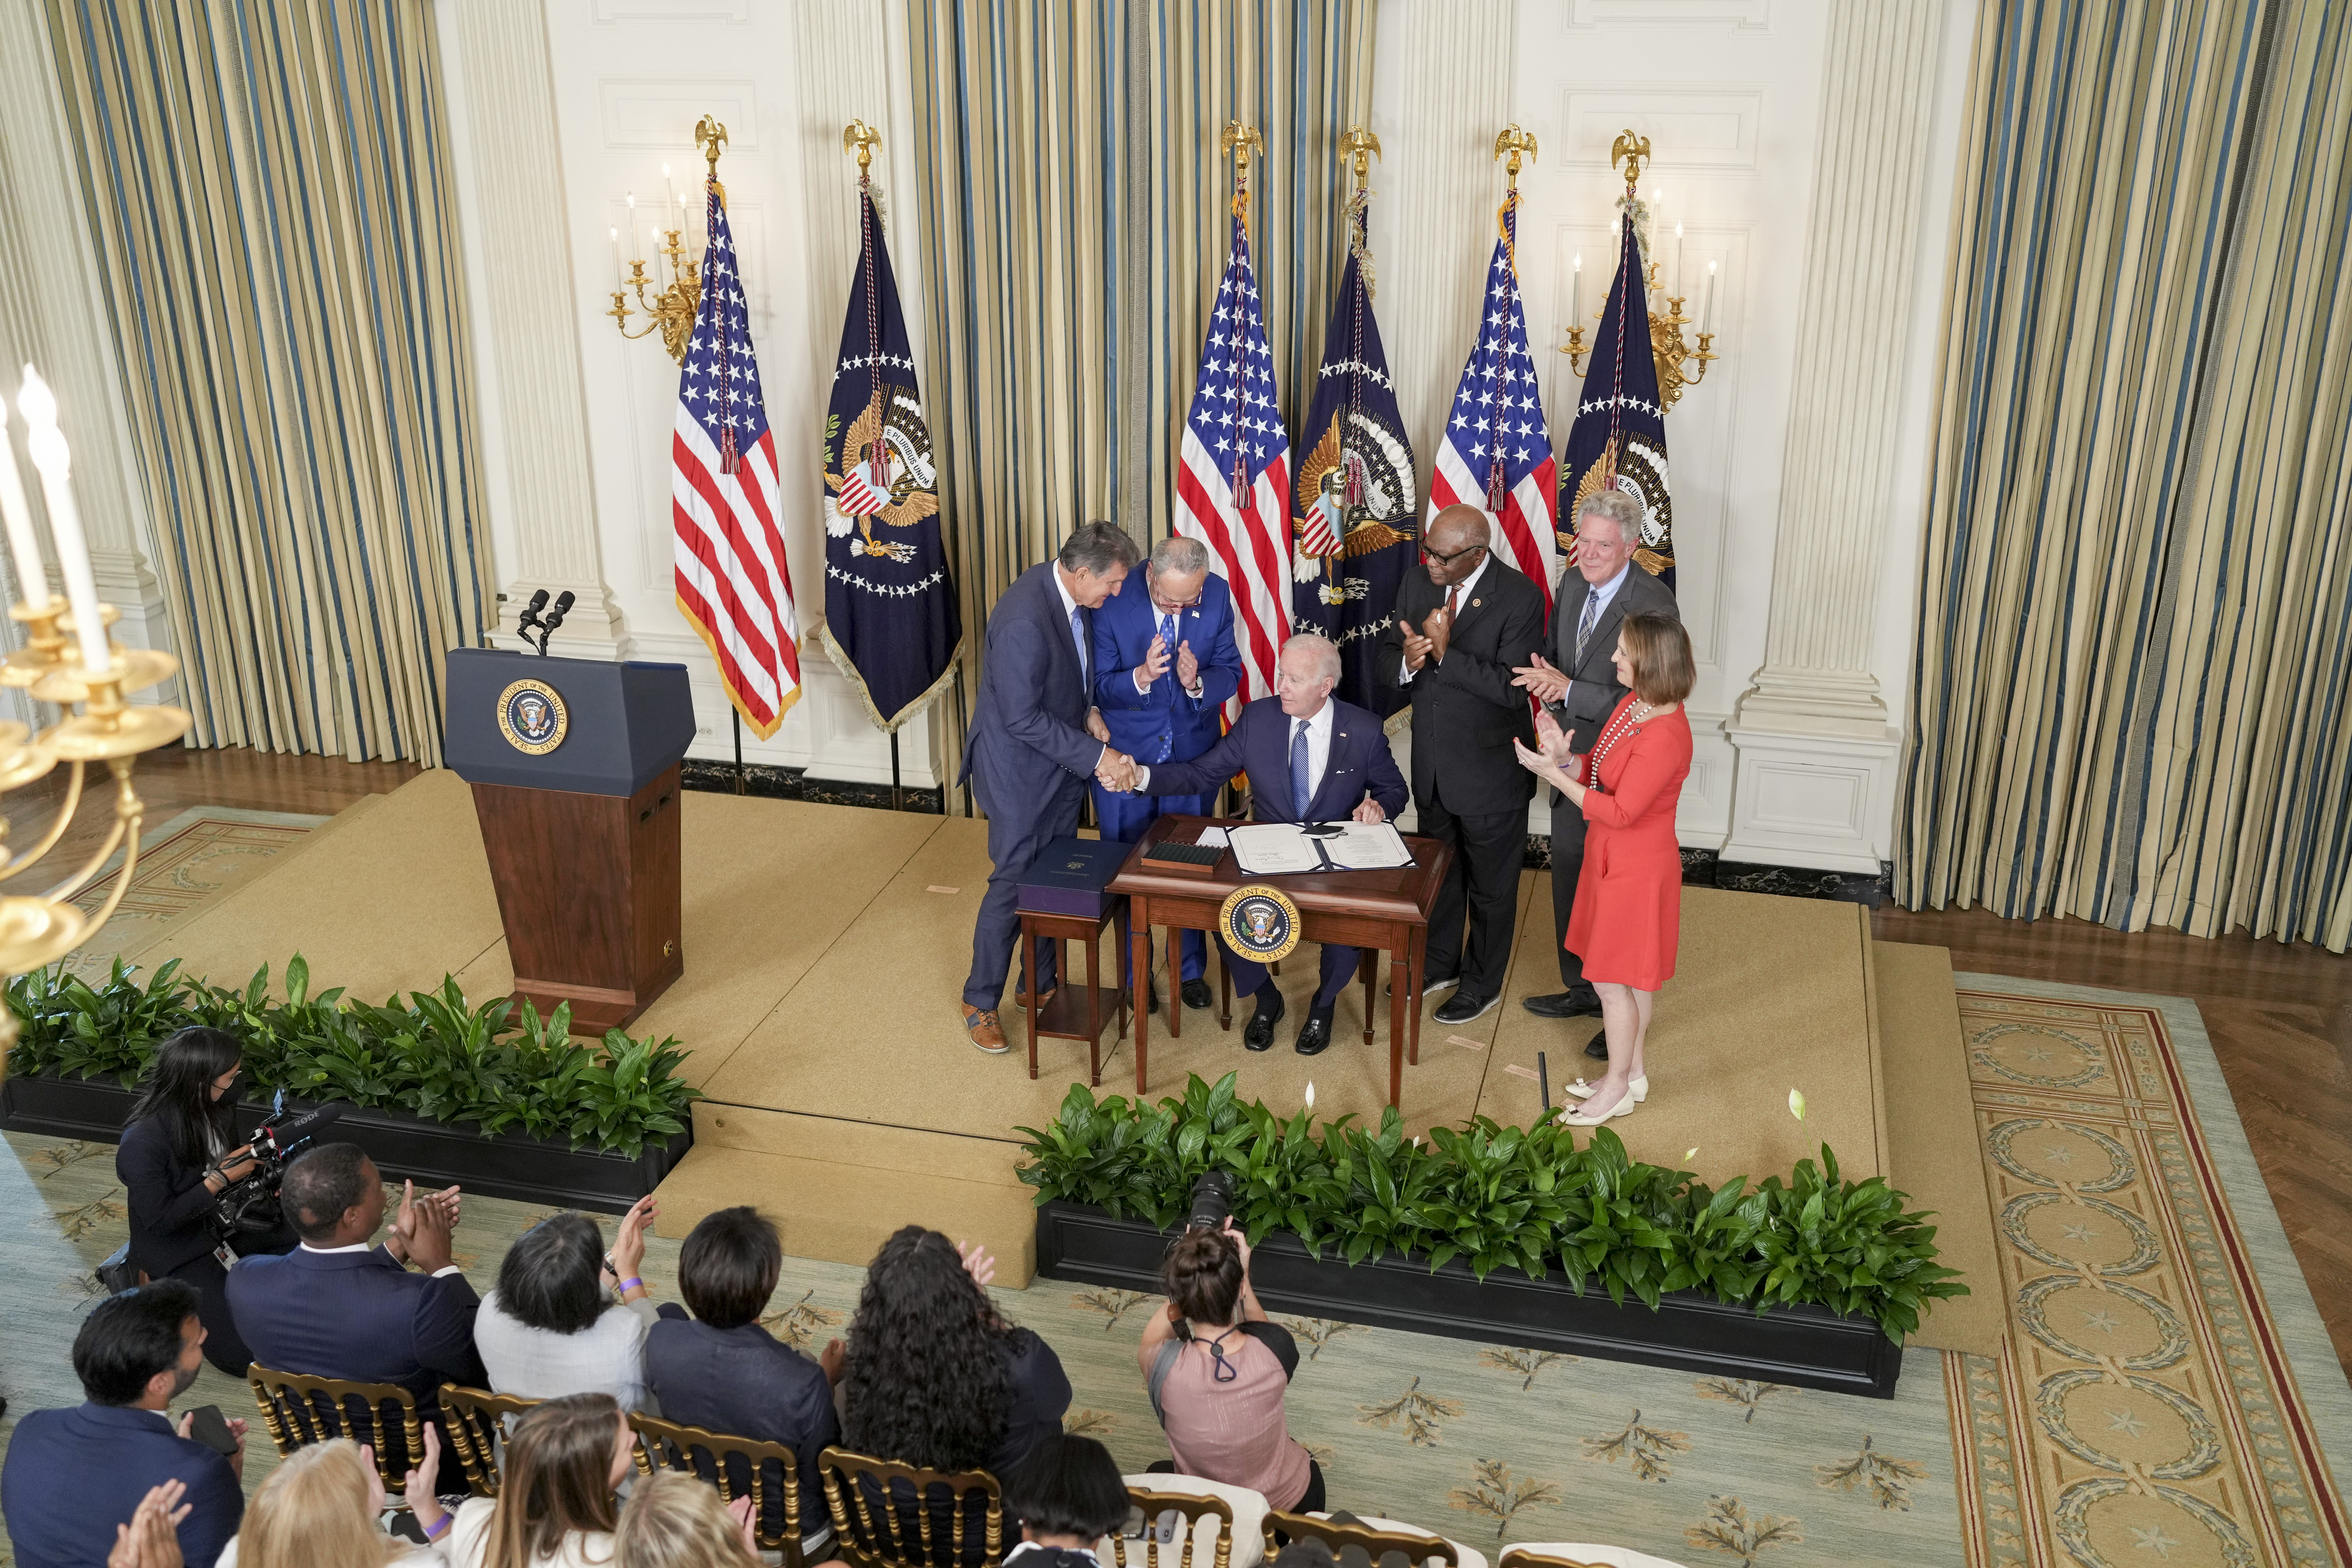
2132,700
1074,224
269,187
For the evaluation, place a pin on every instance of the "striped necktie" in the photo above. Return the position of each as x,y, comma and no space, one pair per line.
1302,783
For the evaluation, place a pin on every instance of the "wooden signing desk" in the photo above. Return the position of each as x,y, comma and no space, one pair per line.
1380,911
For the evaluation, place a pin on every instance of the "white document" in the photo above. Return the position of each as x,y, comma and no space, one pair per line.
1270,849
1368,846
1212,836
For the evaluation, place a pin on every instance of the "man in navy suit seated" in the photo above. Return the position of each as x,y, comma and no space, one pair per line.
1165,664
73,1475
1036,739
339,1306
1310,758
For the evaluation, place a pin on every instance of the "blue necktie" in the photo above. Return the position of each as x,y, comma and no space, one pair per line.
1167,641
1585,625
1078,640
1302,788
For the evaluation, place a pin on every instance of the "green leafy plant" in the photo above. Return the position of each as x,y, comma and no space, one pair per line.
1528,1199
433,1054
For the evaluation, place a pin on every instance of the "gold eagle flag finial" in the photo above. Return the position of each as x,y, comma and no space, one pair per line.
1359,146
1241,140
861,139
709,136
1633,152
1512,143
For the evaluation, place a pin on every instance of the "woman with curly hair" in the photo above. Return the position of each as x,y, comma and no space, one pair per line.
933,1376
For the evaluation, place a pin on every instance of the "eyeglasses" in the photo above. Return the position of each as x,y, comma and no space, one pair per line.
1450,560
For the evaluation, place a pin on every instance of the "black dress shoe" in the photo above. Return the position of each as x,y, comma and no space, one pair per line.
1462,1006
1315,1034
1597,1048
1258,1036
1579,1002
1198,995
1154,988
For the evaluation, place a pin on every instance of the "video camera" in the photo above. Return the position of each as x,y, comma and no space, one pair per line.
250,1207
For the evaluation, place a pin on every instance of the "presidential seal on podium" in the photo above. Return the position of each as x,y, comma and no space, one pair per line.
531,717
1259,922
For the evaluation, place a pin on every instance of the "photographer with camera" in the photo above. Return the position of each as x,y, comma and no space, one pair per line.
1217,1368
176,1162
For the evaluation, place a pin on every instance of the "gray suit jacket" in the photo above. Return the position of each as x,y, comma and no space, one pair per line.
1595,693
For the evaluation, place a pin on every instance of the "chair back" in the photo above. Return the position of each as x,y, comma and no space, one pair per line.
739,1467
889,1515
1416,1550
1204,1528
300,1410
476,1421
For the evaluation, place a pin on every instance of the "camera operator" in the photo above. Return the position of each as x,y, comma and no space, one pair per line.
174,1162
1217,1370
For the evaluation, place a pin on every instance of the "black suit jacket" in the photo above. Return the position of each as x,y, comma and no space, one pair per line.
1259,745
358,1316
1465,711
749,1383
1594,694
1028,732
167,1199
73,1475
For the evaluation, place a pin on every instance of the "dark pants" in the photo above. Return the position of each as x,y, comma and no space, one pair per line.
1125,817
1311,1501
1567,866
223,1347
1484,882
1338,968
1016,839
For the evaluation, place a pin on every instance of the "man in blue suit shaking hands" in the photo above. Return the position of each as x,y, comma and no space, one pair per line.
1035,738
1165,665
1310,758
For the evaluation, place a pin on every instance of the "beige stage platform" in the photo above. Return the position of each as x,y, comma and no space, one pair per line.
826,950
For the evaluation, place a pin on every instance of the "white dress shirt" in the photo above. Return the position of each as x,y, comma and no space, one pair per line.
1461,591
370,1246
1318,750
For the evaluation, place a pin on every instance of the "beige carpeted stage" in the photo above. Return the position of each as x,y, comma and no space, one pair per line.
826,950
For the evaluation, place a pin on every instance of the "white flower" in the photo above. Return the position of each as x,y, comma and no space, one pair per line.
1797,1103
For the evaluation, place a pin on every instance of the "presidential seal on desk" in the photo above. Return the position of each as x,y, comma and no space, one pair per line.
1259,922
531,717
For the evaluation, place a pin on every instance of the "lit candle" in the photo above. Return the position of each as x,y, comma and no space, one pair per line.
1678,262
1576,293
24,544
47,445
620,275
1706,311
669,191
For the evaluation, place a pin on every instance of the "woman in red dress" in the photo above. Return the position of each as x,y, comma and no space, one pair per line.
1628,914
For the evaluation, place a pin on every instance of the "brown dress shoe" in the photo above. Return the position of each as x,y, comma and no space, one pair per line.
1021,997
981,1027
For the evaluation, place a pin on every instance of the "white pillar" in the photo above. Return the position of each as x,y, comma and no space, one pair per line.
532,404
1815,780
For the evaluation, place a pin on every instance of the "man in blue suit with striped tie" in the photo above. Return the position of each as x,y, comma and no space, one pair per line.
1165,665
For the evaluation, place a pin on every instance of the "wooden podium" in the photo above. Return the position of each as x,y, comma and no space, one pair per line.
574,765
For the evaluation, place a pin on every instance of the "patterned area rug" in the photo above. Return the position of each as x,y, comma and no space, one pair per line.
2163,1400
199,854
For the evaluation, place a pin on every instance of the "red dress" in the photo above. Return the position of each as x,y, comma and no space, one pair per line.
1629,898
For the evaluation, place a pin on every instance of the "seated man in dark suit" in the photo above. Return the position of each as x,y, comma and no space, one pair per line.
73,1475
723,1372
339,1306
1310,758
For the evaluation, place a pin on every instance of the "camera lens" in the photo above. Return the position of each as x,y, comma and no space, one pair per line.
1213,1201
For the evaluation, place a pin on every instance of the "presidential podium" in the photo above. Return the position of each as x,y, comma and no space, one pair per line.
574,765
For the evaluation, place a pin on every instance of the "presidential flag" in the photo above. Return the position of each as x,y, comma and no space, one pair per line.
1233,481
891,621
1353,520
1619,438
1496,454
734,585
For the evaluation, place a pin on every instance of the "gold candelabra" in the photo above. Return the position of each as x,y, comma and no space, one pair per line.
671,309
70,662
1678,363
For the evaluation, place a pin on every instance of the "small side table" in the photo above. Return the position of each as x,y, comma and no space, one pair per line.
1076,1013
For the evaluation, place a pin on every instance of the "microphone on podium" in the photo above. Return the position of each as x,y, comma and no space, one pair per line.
553,618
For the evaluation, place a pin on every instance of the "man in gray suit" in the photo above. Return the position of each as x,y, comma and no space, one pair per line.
1581,690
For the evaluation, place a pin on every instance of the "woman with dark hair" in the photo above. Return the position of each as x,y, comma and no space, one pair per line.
933,1376
1217,1369
552,1326
555,1507
1064,1497
173,1160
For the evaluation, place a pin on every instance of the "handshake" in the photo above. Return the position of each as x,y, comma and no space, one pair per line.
1116,772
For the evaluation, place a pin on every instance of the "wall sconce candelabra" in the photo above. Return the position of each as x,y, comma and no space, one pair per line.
672,308
68,660
1679,364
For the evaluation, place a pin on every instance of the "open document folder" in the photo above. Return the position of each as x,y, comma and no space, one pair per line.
1270,849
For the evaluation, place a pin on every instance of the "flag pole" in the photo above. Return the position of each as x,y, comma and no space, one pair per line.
741,786
896,804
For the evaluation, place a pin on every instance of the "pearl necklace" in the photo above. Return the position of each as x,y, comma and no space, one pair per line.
1618,729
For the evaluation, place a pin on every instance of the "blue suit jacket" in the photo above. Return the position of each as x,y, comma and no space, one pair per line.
73,1475
1029,725
1259,744
358,1316
1124,628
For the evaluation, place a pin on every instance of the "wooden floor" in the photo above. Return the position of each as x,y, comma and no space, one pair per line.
2280,1015
2281,1020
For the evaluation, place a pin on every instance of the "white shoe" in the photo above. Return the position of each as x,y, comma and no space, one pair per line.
1640,1085
1586,1116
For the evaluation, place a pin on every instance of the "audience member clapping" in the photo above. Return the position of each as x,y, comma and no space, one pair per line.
933,1376
322,1508
555,1507
552,1328
1217,1370
73,1476
1065,1495
673,1521
724,1373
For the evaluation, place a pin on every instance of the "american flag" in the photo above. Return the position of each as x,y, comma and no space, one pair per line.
733,584
1234,479
1496,454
